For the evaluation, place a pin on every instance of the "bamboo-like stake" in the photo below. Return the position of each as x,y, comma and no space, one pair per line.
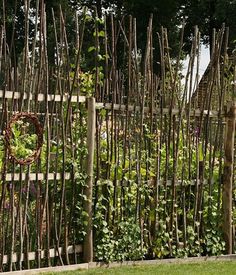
1,46
228,178
25,224
20,220
88,241
97,95
62,208
77,65
112,94
127,120
38,218
47,128
4,62
57,232
176,133
106,92
71,227
116,161
197,138
55,190
12,236
26,52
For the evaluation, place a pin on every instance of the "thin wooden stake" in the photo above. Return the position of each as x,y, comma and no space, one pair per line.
228,178
88,241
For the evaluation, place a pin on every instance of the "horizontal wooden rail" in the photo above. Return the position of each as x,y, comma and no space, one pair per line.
107,106
153,182
36,176
53,252
58,176
41,97
164,111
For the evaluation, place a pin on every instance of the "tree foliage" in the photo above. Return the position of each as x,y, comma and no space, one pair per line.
207,14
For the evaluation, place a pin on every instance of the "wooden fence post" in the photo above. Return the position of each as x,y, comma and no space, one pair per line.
228,178
88,241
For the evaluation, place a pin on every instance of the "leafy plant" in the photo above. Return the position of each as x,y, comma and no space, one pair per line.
161,245
128,241
213,243
24,141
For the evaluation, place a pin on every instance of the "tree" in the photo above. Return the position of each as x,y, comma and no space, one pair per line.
14,15
165,13
68,8
209,15
226,13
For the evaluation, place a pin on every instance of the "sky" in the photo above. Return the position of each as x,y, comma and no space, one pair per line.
204,61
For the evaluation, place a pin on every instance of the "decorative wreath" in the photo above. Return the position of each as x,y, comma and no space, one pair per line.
33,119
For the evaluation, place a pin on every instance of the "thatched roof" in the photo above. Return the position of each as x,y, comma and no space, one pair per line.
209,90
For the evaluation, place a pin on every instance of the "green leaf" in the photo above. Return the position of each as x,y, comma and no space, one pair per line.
103,113
200,150
92,48
101,34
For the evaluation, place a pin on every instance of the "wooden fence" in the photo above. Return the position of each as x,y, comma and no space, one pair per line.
123,145
20,183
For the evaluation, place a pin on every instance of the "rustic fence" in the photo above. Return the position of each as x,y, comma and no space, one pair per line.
127,148
135,183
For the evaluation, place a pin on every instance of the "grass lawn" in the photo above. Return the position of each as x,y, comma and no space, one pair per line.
204,268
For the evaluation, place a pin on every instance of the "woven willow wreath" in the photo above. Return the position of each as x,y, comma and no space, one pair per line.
32,119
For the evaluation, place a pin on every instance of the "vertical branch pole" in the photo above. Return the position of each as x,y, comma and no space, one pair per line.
228,178
88,241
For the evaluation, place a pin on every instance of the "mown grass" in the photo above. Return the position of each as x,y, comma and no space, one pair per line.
203,268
